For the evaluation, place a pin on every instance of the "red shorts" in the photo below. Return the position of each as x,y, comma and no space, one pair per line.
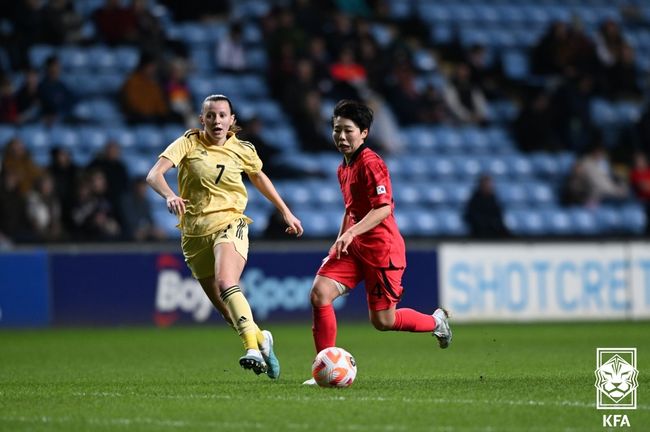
383,285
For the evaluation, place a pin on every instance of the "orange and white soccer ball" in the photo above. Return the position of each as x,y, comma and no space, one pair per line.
334,367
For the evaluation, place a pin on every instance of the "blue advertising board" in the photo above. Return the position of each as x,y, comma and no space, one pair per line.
24,289
157,288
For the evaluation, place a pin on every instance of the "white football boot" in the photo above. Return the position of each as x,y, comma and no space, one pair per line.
253,360
272,362
310,382
442,331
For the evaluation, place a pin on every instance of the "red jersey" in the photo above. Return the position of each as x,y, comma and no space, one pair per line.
365,184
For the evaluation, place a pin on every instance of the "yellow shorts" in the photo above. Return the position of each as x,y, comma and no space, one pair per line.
199,251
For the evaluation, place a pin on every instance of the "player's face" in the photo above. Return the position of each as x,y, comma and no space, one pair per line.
216,119
347,135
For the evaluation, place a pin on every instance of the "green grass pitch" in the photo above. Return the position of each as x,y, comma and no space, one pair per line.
516,377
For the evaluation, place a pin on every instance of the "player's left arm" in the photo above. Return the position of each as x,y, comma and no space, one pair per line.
373,218
265,186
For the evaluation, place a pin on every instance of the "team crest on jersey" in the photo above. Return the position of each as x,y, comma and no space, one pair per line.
381,189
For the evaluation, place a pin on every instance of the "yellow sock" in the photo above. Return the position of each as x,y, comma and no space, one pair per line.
260,336
242,316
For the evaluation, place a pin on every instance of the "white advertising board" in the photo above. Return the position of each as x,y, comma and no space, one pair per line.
532,282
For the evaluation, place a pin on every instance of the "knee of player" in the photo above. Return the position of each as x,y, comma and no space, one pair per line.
382,323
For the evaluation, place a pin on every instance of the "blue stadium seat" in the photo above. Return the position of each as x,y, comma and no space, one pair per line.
64,136
281,137
126,57
515,64
520,166
450,222
441,167
296,194
92,138
544,165
474,140
202,58
466,167
494,166
149,138
511,194
138,165
100,110
420,139
525,222
74,58
431,194
457,193
256,59
39,53
558,221
166,221
34,137
7,132
448,139
319,223
584,222
633,218
406,194
124,136
102,58
327,195
260,222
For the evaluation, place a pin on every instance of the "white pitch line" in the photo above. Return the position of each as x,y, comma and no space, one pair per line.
183,424
442,401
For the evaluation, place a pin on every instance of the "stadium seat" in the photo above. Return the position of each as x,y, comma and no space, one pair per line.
64,137
149,138
525,222
126,58
633,218
441,167
124,136
450,222
74,59
39,53
34,137
260,222
7,132
166,221
92,138
583,221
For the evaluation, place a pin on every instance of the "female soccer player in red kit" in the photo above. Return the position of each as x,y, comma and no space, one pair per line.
369,246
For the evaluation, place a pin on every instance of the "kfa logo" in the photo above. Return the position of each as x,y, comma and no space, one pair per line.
616,383
616,378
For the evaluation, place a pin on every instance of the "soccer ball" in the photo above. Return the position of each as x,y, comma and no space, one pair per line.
334,367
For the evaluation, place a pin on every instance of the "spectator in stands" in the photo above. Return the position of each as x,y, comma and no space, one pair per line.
28,99
622,79
139,224
404,96
210,205
109,162
640,183
533,128
484,74
44,211
56,98
93,215
348,75
466,101
17,160
149,33
433,107
115,24
230,52
178,93
142,96
597,174
571,108
609,42
483,213
311,125
65,175
27,21
8,102
575,190
198,10
61,23
14,225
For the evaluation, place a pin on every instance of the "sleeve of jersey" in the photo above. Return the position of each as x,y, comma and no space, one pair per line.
380,191
177,150
251,161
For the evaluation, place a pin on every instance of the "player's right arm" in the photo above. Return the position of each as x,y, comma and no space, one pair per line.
156,179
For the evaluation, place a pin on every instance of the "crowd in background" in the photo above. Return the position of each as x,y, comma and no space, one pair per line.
317,52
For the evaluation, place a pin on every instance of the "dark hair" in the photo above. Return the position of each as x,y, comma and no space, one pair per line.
219,97
356,111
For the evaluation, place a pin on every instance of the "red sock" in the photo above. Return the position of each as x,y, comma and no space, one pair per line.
324,327
411,320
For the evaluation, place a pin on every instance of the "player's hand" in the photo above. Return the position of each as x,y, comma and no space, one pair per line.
294,225
176,205
342,243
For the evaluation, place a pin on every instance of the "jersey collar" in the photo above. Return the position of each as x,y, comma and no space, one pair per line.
356,154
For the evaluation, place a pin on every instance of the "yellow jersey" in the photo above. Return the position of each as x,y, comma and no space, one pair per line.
210,178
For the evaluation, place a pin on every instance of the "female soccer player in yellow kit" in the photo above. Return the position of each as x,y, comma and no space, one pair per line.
210,206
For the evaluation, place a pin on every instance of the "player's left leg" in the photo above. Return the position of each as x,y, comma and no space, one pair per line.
384,290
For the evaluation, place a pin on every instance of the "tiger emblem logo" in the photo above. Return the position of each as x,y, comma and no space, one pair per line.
616,378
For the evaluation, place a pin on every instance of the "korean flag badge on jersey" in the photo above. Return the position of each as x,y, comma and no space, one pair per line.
381,189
